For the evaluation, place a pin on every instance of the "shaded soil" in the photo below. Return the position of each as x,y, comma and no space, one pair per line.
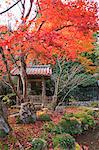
22,133
90,138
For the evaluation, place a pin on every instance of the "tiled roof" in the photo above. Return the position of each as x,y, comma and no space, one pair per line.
43,70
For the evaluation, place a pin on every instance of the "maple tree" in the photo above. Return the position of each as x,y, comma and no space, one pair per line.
57,30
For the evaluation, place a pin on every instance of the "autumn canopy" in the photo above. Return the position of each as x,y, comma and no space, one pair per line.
58,30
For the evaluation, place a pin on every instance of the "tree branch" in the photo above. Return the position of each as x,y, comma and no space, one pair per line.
9,8
7,84
65,26
31,3
40,26
23,6
13,59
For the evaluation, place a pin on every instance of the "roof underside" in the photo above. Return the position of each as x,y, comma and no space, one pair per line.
42,70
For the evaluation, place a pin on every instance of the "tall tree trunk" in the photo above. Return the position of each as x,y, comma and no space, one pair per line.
9,73
55,97
23,76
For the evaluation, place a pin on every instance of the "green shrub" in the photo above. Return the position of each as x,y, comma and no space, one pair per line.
67,116
44,117
2,133
80,115
87,121
38,144
48,127
64,142
91,112
71,126
51,128
87,110
94,104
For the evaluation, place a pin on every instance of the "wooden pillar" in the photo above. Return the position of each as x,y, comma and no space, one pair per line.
43,91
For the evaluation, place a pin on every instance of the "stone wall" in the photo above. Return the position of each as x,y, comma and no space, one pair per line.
82,103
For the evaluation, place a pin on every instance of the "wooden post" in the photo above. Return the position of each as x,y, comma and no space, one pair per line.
43,91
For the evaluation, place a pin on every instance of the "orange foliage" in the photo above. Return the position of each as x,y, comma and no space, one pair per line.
88,64
61,30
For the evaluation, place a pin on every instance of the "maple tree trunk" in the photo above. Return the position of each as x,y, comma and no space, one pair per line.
23,76
24,89
9,74
55,97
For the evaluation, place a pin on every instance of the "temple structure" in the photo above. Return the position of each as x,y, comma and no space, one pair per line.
36,76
